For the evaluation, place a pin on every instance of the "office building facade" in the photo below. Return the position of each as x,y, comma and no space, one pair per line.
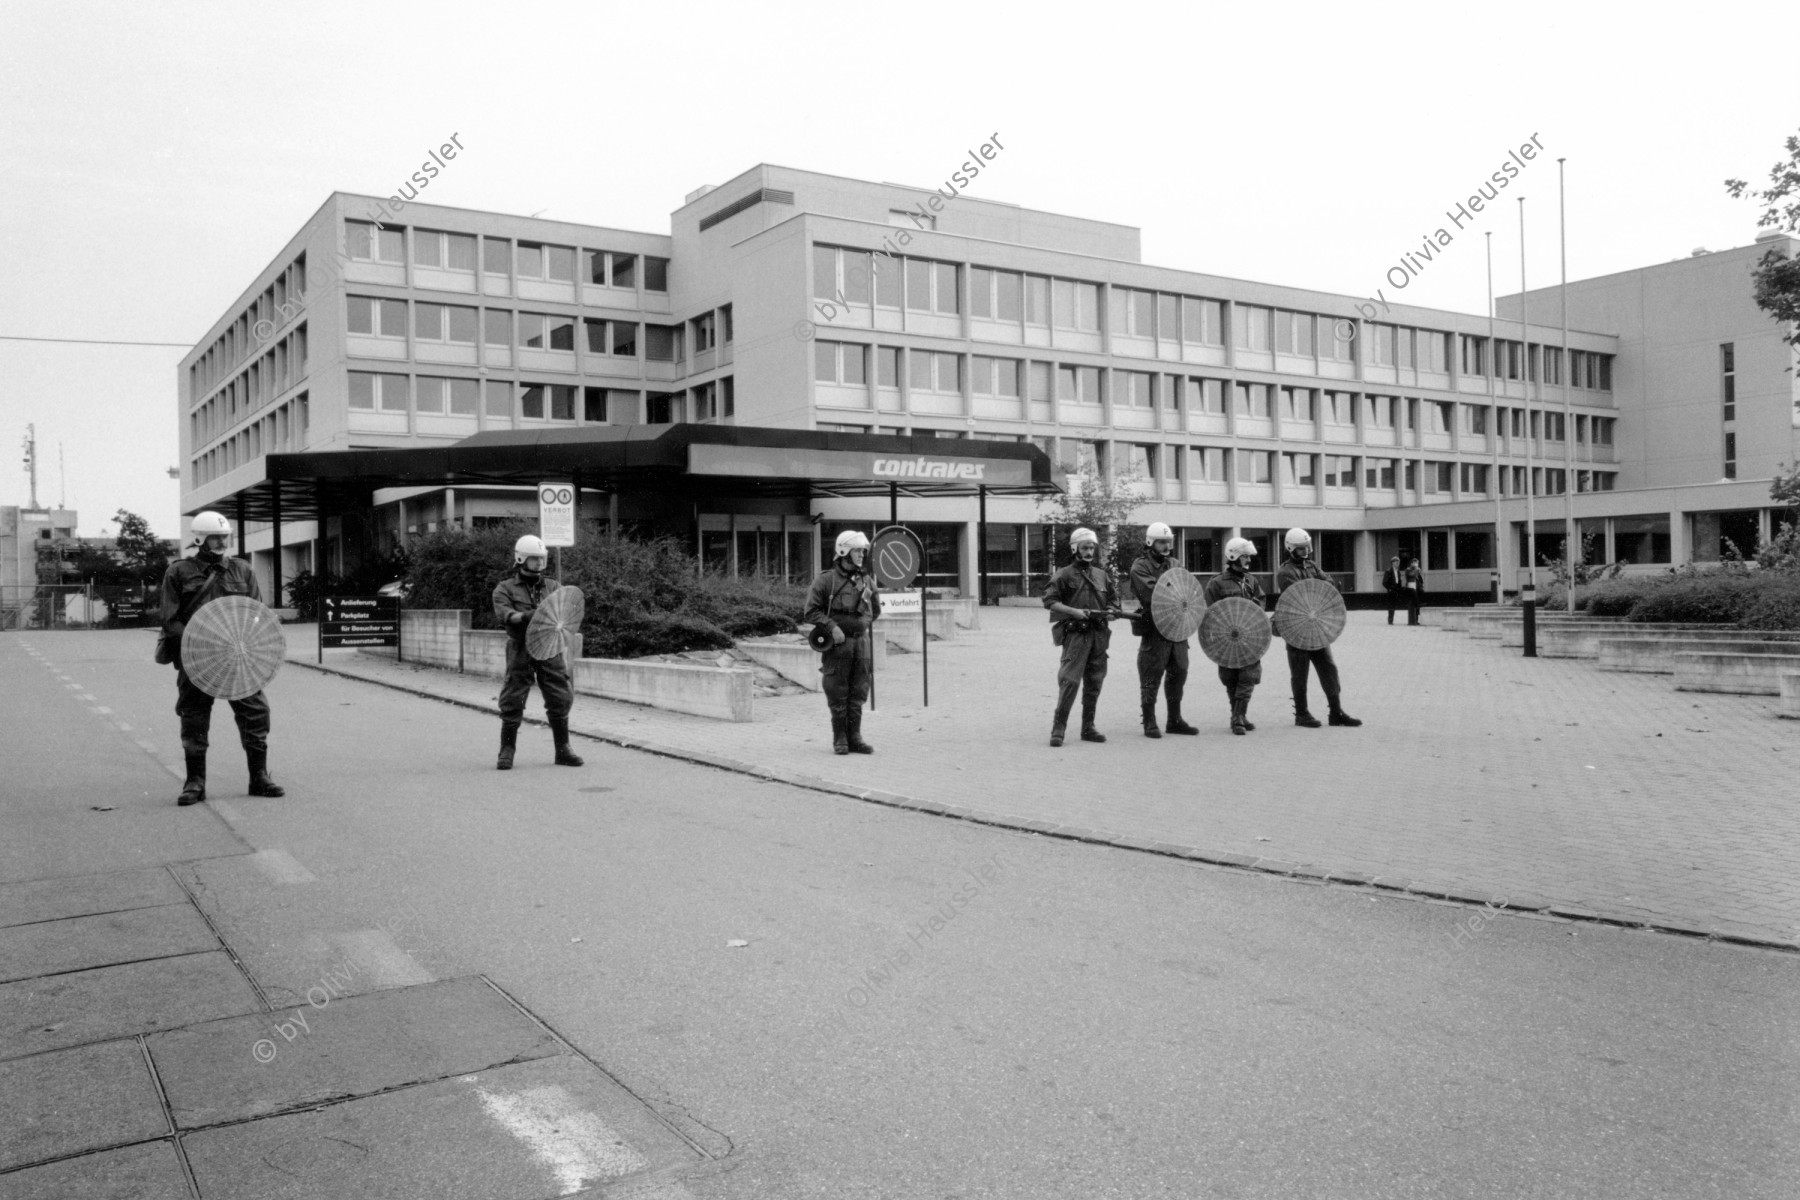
795,300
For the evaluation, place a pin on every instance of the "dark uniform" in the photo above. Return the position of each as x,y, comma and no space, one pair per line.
517,594
187,585
1293,570
846,600
1159,660
1239,681
1414,591
1083,642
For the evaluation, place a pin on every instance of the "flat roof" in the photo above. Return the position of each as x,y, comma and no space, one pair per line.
702,461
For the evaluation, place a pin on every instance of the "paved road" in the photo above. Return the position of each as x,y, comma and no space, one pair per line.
1543,782
925,1007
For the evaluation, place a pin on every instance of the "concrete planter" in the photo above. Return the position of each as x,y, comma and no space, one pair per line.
903,629
965,611
1513,632
433,636
1790,695
799,662
1742,673
1576,641
678,687
1656,655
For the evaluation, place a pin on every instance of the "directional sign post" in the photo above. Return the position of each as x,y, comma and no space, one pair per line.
358,621
899,559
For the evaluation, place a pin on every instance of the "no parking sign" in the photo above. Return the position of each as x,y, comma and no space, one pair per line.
556,514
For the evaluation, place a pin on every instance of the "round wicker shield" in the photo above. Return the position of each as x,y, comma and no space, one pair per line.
557,616
1176,604
232,647
1309,615
1234,632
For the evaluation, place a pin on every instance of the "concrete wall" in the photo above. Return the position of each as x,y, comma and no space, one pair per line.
678,687
434,636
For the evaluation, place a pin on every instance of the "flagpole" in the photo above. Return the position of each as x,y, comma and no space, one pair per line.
1529,598
1571,544
1494,411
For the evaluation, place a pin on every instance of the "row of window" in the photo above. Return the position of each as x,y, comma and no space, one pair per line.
282,367
1220,464
462,324
500,402
847,364
843,275
280,431
518,258
246,332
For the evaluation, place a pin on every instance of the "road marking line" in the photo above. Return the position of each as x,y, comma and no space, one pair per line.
573,1142
282,867
386,964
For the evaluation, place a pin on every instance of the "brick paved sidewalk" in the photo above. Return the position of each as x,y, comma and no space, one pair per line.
1546,782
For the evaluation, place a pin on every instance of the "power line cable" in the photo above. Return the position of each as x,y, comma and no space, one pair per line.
8,337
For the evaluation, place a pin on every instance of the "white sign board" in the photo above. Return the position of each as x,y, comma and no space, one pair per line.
895,603
556,514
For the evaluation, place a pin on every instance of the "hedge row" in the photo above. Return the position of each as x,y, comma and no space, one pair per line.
1767,599
644,596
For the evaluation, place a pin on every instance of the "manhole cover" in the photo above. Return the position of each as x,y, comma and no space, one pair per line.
594,789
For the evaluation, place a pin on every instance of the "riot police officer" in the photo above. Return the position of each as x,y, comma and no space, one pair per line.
1159,660
515,600
843,601
1081,599
1299,565
187,585
1236,580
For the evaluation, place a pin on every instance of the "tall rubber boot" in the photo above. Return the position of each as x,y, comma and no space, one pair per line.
1088,732
840,735
1176,724
559,730
1151,729
193,789
509,741
260,782
1237,717
853,732
1244,714
1302,714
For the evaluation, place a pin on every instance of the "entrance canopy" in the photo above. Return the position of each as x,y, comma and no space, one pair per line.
698,461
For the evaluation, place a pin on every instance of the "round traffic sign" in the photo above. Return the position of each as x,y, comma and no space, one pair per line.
899,556
553,494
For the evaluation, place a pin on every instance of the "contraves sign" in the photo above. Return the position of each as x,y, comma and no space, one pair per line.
793,463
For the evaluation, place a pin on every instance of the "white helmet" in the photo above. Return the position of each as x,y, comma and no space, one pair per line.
1297,537
1159,533
209,523
1083,535
529,546
1238,548
849,540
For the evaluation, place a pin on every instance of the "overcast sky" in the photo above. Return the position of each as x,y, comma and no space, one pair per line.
154,157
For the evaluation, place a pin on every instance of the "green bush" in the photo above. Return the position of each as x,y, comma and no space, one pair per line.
644,595
305,589
636,634
1773,608
1701,598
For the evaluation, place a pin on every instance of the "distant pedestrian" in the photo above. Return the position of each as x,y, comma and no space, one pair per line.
187,585
1415,590
1299,565
1236,580
515,600
1082,600
1394,581
844,601
1160,662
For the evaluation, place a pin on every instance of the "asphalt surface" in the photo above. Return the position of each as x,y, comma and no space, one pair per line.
922,1007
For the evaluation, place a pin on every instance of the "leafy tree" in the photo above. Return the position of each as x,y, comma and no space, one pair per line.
145,554
1100,503
1777,277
